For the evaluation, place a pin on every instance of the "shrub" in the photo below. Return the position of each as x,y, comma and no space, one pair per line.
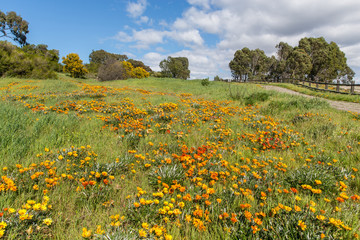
116,70
139,72
256,97
112,70
28,62
74,65
205,82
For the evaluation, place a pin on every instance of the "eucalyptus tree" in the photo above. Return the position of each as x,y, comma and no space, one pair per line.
12,26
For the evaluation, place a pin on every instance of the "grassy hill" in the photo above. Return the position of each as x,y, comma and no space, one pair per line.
172,159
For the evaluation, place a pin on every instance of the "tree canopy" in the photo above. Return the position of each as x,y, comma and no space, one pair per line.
30,61
175,67
74,65
101,56
137,63
313,58
14,27
248,64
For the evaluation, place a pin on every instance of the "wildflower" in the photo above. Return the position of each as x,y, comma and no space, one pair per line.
145,225
142,233
302,225
99,230
47,221
86,233
297,208
168,237
3,225
22,211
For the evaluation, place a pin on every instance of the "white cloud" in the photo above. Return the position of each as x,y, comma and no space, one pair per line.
136,9
143,39
254,24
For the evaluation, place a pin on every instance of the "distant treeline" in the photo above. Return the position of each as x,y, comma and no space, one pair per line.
313,59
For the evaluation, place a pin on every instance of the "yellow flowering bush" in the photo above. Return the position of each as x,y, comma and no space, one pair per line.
73,65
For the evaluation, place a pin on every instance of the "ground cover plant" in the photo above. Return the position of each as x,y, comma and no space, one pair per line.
172,159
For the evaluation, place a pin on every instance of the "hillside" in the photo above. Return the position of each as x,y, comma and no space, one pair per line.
172,159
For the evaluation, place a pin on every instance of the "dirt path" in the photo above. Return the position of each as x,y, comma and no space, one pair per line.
340,105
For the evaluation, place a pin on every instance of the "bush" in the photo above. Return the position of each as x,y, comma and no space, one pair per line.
28,62
205,82
116,70
139,72
256,97
112,70
74,65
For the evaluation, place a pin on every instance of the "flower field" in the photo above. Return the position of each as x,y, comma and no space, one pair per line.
169,159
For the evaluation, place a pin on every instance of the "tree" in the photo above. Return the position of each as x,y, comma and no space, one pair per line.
25,62
240,64
137,63
249,64
74,65
328,61
298,64
175,67
284,50
100,57
14,27
52,56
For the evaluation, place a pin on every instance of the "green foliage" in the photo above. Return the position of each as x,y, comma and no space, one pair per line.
328,61
256,97
298,64
296,103
99,57
217,78
175,67
14,27
115,70
28,62
73,65
137,63
205,82
328,175
313,58
249,64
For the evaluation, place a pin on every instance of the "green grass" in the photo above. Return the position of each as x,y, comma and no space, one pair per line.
218,116
323,94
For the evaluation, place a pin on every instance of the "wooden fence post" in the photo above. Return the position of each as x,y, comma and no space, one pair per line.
317,85
338,86
326,86
352,88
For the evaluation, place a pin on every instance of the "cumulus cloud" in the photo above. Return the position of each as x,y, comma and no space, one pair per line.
254,24
136,9
143,39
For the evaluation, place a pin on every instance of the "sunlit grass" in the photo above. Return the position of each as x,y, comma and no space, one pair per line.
101,150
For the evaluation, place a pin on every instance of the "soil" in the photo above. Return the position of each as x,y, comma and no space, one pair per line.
340,105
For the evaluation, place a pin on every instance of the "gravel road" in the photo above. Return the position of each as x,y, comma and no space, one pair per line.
340,105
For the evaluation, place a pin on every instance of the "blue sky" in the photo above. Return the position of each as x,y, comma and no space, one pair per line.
208,32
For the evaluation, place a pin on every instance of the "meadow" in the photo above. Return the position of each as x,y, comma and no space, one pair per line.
173,159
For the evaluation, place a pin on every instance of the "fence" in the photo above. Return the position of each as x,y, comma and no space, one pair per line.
338,87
